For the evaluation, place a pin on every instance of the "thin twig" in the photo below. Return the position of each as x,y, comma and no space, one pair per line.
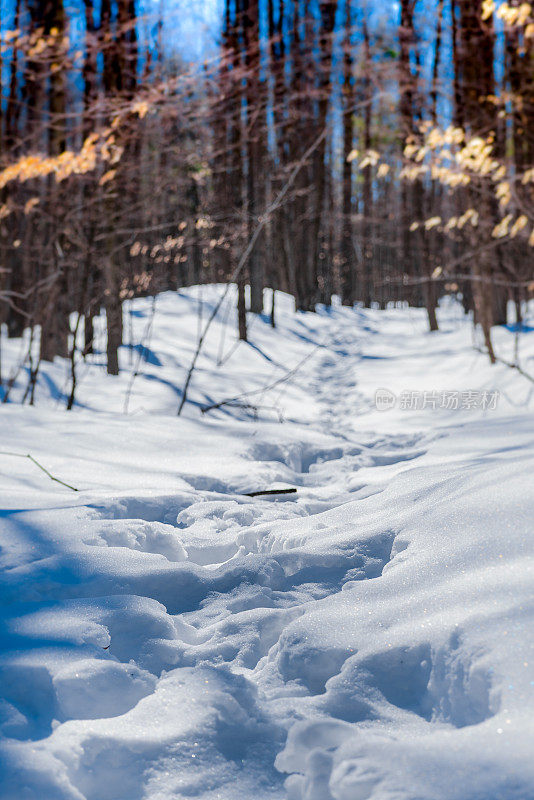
37,464
14,375
254,408
510,365
263,389
6,294
270,491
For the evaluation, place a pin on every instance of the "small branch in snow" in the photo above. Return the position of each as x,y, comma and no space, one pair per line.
34,461
270,491
253,409
510,364
261,390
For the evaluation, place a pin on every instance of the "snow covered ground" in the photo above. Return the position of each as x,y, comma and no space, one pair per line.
166,636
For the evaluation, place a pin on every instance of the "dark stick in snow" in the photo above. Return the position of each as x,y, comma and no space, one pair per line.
271,491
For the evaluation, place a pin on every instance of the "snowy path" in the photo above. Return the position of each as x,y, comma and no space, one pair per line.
365,638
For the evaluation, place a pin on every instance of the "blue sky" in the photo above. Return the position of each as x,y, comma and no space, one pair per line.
190,26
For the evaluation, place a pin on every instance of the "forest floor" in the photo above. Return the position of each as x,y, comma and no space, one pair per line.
165,635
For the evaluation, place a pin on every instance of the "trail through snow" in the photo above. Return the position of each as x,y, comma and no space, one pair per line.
166,636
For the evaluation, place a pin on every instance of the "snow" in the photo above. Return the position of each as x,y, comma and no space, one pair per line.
369,637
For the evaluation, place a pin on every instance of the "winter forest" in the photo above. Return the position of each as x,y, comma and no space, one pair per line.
383,153
266,367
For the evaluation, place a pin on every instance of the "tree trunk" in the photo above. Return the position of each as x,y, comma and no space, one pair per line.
254,106
241,309
349,267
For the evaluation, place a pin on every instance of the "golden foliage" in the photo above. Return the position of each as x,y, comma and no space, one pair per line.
370,159
62,166
30,204
98,146
520,223
501,229
107,177
141,108
454,159
514,15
